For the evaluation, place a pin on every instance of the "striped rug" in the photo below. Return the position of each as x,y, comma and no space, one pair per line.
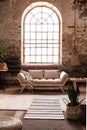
44,108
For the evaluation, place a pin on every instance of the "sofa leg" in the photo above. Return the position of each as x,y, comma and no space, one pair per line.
23,87
30,88
62,89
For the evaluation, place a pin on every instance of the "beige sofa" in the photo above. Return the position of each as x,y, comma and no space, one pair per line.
42,78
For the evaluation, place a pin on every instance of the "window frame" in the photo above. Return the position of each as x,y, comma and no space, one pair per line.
30,7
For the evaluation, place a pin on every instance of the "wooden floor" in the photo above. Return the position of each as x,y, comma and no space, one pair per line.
36,123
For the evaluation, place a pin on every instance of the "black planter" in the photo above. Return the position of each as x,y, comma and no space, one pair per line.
14,65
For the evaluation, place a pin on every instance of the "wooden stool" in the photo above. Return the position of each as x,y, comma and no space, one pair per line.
10,123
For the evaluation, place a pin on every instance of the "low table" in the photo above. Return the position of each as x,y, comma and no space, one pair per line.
75,80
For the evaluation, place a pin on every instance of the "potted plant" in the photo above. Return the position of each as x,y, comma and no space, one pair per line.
3,58
73,105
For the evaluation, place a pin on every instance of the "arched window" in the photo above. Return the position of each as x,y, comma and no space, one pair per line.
41,34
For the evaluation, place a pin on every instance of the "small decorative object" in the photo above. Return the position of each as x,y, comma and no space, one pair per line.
3,66
3,57
73,105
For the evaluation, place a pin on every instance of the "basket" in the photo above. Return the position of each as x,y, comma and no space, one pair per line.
71,111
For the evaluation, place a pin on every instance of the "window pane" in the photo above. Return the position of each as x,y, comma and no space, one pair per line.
56,28
32,27
36,10
50,45
39,27
44,51
44,41
38,58
26,35
50,28
50,35
27,59
38,41
27,41
38,45
41,36
44,45
45,15
55,36
47,10
56,45
38,51
38,35
32,51
55,59
49,51
49,20
32,45
56,41
27,51
28,18
55,18
27,29
55,51
33,35
44,59
44,36
34,20
33,59
50,58
27,45
50,41
45,27
32,41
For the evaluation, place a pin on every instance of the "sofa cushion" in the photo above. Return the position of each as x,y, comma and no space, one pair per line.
51,74
36,74
47,81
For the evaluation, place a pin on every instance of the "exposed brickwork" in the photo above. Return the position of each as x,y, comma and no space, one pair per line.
10,30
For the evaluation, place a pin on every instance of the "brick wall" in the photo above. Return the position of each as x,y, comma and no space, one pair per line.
10,30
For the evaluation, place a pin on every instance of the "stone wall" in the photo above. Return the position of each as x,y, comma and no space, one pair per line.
10,30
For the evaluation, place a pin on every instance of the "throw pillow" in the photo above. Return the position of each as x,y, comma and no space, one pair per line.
36,74
51,74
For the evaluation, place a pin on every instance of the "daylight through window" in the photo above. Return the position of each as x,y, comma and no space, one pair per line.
41,36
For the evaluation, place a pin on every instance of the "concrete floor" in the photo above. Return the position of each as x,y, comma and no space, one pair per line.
43,124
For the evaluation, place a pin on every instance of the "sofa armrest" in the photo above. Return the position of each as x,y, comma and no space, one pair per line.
63,76
21,78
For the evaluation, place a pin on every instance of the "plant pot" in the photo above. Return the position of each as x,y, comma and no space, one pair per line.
71,112
3,66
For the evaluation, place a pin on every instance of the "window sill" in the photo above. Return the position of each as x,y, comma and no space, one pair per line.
41,66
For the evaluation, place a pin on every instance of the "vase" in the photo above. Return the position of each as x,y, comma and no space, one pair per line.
3,66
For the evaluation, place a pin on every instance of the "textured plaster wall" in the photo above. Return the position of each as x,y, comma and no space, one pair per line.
10,30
